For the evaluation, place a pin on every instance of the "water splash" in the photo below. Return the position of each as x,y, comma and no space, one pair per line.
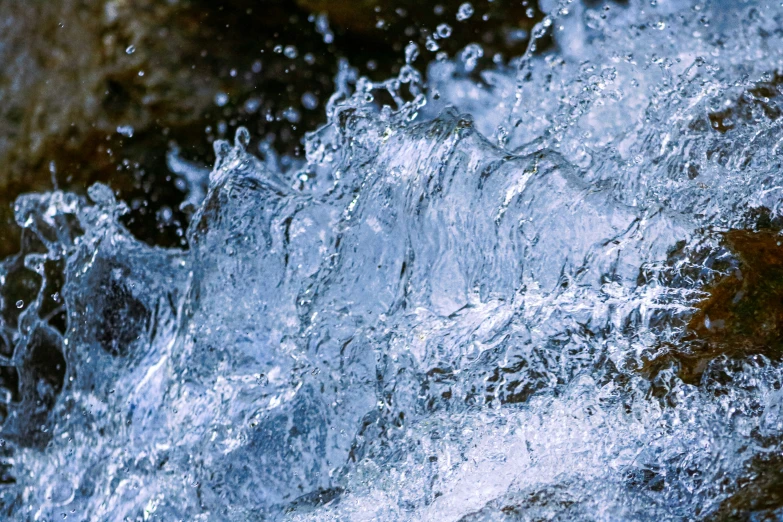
447,312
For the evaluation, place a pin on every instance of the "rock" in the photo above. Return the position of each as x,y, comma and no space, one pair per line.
87,85
759,493
743,315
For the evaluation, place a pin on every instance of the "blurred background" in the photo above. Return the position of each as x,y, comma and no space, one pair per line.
101,90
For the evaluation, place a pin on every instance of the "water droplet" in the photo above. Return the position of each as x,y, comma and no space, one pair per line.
130,49
411,52
221,99
470,56
290,51
465,11
322,27
101,194
20,304
242,138
444,30
222,149
292,115
125,130
252,105
309,101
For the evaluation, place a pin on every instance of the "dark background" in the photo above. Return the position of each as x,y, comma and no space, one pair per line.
76,70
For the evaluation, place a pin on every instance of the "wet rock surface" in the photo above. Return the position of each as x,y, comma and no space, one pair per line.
760,493
741,315
98,90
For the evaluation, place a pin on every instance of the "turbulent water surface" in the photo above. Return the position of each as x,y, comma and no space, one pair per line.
484,302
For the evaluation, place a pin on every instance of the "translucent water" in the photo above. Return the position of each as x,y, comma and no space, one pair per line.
444,313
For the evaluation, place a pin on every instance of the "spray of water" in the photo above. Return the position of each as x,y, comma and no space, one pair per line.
466,306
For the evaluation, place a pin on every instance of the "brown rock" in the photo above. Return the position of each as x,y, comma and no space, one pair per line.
743,314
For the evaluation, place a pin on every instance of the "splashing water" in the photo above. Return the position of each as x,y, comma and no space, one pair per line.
447,312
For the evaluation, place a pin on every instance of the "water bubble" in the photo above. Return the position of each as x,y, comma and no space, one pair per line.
465,11
130,49
290,51
20,304
431,45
